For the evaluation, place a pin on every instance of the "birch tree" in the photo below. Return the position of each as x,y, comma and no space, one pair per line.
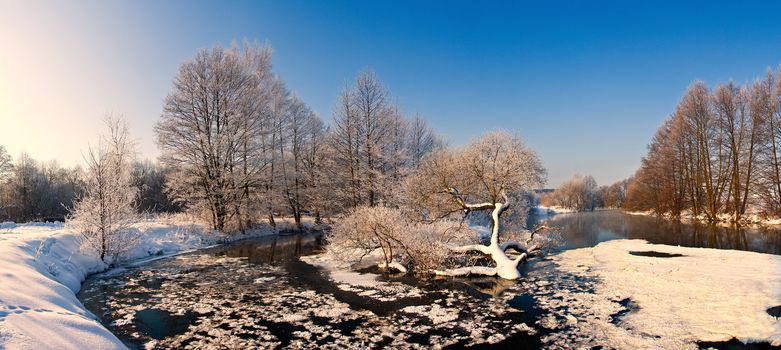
104,214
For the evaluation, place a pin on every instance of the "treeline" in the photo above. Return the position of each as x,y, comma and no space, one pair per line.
31,190
717,155
581,193
240,148
243,149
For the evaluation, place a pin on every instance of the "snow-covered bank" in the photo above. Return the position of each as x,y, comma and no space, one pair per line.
41,270
552,210
724,220
692,294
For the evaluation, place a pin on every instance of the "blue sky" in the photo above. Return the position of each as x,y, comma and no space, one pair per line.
585,83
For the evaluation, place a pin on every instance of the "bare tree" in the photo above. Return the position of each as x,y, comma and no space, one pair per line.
766,108
207,129
578,193
422,140
299,152
345,143
315,163
375,123
104,214
374,146
717,154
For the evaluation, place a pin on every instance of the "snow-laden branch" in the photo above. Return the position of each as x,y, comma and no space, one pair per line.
468,206
467,271
471,248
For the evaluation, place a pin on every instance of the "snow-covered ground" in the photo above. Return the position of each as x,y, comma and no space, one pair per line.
691,295
552,210
619,294
42,268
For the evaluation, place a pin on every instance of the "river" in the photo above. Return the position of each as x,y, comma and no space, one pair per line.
258,294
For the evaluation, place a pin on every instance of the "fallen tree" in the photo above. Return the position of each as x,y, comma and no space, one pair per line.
487,175
431,233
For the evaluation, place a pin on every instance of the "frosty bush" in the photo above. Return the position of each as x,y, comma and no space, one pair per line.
104,213
403,245
369,229
427,243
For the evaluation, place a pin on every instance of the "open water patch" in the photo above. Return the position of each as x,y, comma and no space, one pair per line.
655,254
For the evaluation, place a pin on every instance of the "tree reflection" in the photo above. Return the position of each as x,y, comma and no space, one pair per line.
589,229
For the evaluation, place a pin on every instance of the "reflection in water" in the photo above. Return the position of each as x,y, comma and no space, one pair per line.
268,250
588,229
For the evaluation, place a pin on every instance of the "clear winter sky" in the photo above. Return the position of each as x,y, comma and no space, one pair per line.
586,82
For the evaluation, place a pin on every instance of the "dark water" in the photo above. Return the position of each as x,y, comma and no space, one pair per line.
589,229
258,293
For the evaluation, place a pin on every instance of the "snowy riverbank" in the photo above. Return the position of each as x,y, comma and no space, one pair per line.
676,296
41,270
552,210
724,220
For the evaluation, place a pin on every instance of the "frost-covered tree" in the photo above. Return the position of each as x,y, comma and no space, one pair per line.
373,145
315,164
421,140
6,165
484,176
33,190
211,128
299,153
105,212
345,142
578,193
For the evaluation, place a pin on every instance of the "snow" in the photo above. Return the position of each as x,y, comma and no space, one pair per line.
341,273
639,212
364,284
39,275
724,219
7,225
704,295
41,270
553,210
435,313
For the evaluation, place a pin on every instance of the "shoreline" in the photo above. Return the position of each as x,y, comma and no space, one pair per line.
752,221
46,260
